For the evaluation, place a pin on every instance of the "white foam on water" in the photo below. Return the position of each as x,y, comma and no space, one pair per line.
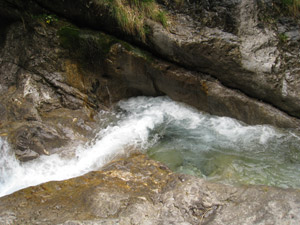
134,126
130,132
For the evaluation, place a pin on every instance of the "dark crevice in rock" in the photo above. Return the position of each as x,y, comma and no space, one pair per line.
4,24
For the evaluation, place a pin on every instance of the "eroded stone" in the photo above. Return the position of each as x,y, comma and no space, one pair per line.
138,190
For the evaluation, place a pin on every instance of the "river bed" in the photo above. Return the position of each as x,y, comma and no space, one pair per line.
220,149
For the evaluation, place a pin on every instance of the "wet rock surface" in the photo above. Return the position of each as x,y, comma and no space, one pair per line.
44,103
156,77
246,45
56,77
138,190
238,42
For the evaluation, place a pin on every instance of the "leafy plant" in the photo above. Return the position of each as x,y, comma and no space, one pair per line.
50,19
46,18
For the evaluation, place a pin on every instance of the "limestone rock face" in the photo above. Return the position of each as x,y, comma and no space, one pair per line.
223,57
46,102
246,45
156,77
236,42
55,77
239,43
141,191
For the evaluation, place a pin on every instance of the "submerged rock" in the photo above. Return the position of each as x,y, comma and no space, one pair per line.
138,190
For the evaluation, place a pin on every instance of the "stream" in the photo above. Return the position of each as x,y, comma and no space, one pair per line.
220,149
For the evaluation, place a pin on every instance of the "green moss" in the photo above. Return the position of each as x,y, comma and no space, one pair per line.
92,47
69,37
283,38
104,43
146,55
84,43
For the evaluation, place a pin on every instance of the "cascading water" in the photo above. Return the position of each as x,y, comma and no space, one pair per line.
122,134
188,141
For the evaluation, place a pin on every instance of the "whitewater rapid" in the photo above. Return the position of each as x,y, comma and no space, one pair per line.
160,125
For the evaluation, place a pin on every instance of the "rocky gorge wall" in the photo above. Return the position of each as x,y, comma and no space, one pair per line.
236,67
50,70
246,45
222,57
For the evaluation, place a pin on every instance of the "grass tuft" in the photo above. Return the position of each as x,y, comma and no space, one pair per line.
292,6
131,14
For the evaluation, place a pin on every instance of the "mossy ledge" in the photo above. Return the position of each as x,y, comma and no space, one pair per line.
86,44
